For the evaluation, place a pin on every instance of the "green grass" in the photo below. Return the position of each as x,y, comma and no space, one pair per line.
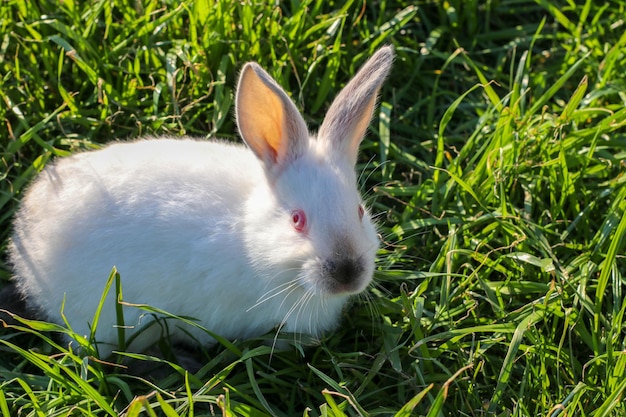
496,162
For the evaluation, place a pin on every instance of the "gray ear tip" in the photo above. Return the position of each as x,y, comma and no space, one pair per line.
251,66
382,60
262,74
386,52
388,49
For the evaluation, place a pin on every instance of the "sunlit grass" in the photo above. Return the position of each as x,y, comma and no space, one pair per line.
496,165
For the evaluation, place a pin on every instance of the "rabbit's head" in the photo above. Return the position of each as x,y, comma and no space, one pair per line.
308,227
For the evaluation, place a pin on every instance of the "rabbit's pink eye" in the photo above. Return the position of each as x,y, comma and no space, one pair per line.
361,212
298,218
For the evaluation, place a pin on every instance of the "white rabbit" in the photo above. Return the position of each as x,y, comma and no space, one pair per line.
244,239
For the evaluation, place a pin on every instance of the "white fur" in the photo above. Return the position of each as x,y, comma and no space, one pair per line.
203,228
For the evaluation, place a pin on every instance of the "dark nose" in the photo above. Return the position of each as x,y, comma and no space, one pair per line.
344,271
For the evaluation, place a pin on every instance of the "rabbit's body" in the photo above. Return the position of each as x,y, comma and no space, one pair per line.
242,239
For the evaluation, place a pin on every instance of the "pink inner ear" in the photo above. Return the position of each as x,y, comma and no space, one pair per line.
260,114
274,138
272,153
361,212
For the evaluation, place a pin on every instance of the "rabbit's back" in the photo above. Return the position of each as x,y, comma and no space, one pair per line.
165,212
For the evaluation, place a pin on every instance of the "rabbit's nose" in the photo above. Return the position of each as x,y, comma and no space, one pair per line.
345,272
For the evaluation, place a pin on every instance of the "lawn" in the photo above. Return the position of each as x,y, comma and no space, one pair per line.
495,166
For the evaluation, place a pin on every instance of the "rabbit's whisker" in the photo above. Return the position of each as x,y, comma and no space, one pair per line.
279,289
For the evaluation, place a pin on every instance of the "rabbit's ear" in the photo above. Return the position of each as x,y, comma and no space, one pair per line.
268,120
348,117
